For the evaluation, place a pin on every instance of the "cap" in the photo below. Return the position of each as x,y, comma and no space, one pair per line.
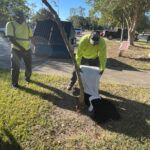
94,38
18,14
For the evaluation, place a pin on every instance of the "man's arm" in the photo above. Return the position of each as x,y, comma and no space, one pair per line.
34,43
81,47
13,41
32,40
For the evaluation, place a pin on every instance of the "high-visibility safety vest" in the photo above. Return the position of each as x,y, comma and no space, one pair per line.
21,32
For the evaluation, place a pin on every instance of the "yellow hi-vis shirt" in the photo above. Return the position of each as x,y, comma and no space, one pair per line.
89,51
21,32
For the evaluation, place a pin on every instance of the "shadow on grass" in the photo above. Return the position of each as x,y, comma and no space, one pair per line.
143,59
11,145
138,59
118,65
64,100
133,114
142,47
135,117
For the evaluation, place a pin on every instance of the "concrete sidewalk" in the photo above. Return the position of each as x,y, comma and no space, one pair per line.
64,67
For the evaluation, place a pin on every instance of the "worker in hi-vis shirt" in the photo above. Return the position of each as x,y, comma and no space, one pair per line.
20,34
91,51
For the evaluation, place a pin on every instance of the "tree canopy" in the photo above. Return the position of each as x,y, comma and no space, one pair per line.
9,6
42,14
78,19
123,11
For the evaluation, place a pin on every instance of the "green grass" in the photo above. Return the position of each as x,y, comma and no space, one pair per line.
43,116
136,57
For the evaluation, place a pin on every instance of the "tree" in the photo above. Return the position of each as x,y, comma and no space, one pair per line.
42,14
110,18
132,11
144,24
73,11
80,11
89,23
78,21
7,7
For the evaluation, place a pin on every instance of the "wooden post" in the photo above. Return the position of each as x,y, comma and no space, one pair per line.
64,35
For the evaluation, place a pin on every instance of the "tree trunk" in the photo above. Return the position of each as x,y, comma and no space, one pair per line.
122,33
131,36
64,35
132,20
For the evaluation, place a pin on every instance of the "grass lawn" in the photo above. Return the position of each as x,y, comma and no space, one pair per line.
44,116
136,57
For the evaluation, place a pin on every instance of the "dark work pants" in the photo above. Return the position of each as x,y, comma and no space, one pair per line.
15,64
88,62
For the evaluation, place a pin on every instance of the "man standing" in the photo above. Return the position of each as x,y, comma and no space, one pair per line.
19,34
91,51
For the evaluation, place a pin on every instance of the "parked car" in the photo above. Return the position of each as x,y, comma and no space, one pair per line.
2,32
143,37
78,31
117,34
105,32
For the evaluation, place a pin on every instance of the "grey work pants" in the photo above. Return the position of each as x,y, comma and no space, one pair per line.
15,64
88,62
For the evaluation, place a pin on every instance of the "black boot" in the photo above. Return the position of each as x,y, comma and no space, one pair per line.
15,86
27,81
69,87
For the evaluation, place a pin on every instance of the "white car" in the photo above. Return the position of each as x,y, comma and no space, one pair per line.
78,31
2,32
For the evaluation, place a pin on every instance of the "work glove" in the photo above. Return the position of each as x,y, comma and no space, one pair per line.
24,52
101,72
34,50
80,70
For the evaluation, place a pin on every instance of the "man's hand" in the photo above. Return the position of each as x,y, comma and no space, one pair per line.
34,50
23,51
101,72
34,43
80,70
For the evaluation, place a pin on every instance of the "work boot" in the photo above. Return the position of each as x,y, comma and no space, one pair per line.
27,81
15,86
69,87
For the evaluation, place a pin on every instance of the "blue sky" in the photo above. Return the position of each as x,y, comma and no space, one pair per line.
64,6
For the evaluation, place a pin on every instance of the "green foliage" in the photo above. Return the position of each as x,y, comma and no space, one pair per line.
122,11
9,6
78,20
42,14
111,13
80,11
88,23
144,24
